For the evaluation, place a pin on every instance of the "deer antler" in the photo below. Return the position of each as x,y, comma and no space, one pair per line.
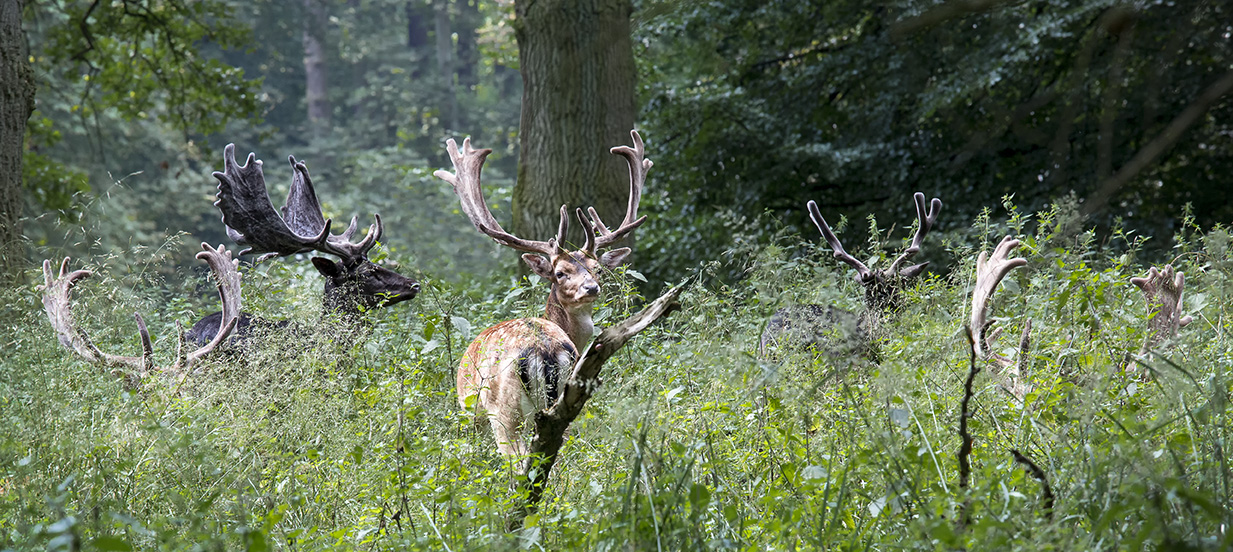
864,274
468,162
57,301
925,224
1163,291
638,167
990,270
251,219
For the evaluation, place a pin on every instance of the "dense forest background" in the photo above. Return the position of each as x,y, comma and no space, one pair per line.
1097,133
749,108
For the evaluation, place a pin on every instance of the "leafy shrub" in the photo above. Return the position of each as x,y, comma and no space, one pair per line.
692,443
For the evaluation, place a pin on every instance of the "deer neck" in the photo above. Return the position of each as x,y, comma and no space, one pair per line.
337,303
574,319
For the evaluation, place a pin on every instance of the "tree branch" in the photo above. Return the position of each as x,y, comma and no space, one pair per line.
1039,474
1099,200
965,437
550,425
950,10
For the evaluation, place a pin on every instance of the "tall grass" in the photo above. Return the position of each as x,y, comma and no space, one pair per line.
693,442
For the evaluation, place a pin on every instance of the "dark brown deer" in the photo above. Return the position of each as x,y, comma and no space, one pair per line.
57,301
353,284
512,369
809,325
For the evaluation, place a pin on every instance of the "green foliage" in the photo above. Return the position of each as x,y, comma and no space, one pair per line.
53,185
389,121
319,441
764,105
142,59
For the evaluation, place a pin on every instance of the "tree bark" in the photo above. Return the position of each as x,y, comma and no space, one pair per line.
417,29
578,74
316,79
419,20
16,105
445,63
469,19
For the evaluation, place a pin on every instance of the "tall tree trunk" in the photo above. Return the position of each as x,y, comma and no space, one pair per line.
16,105
417,28
316,90
468,20
419,17
578,77
445,63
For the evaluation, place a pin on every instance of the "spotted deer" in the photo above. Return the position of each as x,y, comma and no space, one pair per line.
810,325
353,284
512,370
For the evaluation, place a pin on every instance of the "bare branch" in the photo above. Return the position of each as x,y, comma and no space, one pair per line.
950,10
1039,474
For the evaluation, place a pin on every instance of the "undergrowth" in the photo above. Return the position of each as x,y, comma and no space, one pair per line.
693,442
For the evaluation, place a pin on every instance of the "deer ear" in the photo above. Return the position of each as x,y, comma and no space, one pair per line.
539,265
326,267
614,258
914,270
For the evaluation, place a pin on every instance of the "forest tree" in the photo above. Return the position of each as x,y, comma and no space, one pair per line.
578,101
16,105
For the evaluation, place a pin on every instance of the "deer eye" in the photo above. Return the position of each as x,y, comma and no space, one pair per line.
560,275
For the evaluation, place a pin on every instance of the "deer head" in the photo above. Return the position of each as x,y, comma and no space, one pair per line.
353,283
573,274
882,287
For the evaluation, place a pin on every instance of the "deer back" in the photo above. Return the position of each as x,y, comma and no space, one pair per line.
511,371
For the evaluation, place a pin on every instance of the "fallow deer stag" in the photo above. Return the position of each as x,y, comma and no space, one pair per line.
806,325
512,369
352,285
57,301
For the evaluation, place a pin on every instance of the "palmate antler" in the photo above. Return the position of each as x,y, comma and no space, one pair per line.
468,163
57,301
638,167
252,221
990,270
1163,291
